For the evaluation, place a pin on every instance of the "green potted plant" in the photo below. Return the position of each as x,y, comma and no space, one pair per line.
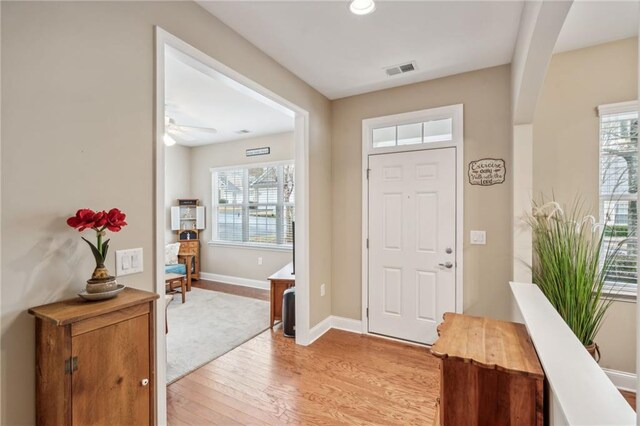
571,261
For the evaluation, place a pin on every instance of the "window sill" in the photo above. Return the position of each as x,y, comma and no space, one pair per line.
625,295
250,246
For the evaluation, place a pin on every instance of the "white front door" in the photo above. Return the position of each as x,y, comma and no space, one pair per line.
412,242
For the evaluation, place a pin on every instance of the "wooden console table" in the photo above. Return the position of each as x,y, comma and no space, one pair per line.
490,373
280,281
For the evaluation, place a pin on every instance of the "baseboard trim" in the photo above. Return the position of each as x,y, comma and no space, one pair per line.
346,324
339,323
319,329
227,279
622,379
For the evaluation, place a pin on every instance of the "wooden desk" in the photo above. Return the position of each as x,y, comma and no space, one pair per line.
490,373
280,281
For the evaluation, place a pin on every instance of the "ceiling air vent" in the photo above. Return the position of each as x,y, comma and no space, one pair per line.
400,69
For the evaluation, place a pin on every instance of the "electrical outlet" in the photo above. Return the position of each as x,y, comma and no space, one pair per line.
323,290
259,261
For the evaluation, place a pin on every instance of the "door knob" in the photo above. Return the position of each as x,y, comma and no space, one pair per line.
447,265
144,382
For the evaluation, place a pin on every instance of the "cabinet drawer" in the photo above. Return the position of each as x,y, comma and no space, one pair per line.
189,247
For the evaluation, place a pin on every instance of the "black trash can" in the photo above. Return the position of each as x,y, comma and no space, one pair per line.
289,312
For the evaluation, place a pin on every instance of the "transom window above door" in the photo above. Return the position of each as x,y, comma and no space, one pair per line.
254,205
413,133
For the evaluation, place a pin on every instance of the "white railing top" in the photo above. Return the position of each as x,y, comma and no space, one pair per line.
584,393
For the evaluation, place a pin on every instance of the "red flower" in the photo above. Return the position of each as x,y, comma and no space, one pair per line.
115,220
100,219
83,219
88,219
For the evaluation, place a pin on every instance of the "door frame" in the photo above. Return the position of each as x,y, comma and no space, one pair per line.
301,140
456,113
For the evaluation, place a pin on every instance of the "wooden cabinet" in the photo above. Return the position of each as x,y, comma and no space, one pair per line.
490,373
192,248
95,361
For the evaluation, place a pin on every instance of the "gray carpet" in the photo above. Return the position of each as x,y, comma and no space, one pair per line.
208,325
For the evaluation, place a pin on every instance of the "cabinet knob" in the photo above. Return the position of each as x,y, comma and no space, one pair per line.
144,382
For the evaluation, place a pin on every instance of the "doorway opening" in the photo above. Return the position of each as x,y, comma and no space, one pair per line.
231,184
412,222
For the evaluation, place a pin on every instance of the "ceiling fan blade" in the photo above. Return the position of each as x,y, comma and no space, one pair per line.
197,128
181,136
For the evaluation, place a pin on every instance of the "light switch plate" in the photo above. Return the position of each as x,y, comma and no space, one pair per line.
479,237
128,262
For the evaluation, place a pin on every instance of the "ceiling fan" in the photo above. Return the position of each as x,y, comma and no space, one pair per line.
183,132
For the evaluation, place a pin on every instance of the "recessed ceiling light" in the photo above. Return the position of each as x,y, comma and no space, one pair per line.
243,131
168,140
362,7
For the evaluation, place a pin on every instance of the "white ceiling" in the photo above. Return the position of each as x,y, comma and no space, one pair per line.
197,96
595,22
341,54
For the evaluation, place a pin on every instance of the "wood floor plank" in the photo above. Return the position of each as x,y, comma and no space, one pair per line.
342,378
630,397
329,382
254,293
221,404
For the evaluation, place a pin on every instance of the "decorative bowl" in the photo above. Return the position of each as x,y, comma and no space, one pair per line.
101,296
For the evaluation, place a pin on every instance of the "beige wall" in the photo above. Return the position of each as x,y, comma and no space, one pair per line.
487,126
237,261
78,120
565,152
177,182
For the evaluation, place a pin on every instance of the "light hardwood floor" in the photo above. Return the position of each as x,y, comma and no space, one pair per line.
238,290
630,397
342,378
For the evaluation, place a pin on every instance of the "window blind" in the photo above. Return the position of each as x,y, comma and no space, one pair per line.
254,205
618,194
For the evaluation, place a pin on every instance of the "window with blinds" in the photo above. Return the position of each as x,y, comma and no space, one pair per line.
619,192
254,205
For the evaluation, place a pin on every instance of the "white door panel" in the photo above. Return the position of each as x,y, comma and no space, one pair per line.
412,217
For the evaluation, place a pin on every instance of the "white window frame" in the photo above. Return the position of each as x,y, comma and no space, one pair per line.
629,292
245,204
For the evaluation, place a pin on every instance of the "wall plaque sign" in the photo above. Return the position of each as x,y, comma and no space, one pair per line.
487,171
258,151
